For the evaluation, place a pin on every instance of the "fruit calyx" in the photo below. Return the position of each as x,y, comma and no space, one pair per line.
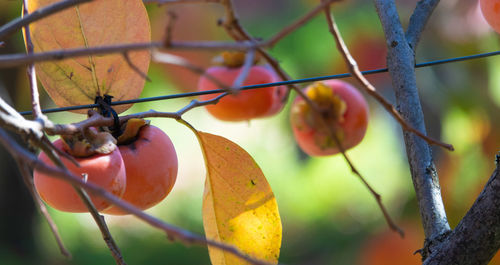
332,109
234,59
88,143
331,106
130,130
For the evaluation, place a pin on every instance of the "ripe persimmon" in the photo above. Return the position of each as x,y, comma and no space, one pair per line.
104,170
247,104
491,12
342,108
151,167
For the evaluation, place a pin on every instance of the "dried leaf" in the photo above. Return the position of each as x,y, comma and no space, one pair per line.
90,143
239,207
98,23
132,128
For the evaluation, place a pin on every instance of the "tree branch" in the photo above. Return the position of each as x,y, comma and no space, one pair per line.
418,20
353,67
401,64
28,180
167,58
297,24
18,23
173,2
476,239
12,60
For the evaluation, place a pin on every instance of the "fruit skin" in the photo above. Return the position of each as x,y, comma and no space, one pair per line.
151,165
106,171
491,12
344,109
247,104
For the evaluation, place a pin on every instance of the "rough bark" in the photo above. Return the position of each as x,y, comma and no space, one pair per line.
476,239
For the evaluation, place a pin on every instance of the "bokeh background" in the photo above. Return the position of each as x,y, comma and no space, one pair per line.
328,216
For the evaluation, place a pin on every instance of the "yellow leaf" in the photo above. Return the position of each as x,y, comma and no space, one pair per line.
79,80
239,207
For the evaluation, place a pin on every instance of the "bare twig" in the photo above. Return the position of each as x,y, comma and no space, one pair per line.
375,194
168,58
135,68
172,18
245,69
96,120
20,22
12,60
370,89
173,2
101,223
26,173
297,24
35,97
235,30
59,152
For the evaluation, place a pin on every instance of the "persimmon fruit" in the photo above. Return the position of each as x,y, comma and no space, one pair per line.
151,168
343,112
104,170
491,12
247,104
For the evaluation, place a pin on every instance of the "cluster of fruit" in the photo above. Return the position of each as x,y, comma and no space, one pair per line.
141,169
339,114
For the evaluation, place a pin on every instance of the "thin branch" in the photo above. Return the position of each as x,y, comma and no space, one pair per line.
245,69
60,152
418,20
297,24
16,24
369,88
26,173
401,64
108,239
392,225
135,68
173,2
13,60
172,18
103,227
235,30
167,58
97,120
195,103
173,232
31,72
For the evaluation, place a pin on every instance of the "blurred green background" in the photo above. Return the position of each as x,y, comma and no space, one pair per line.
328,216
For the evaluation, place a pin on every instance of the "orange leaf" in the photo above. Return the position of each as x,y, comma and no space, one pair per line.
98,23
239,207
